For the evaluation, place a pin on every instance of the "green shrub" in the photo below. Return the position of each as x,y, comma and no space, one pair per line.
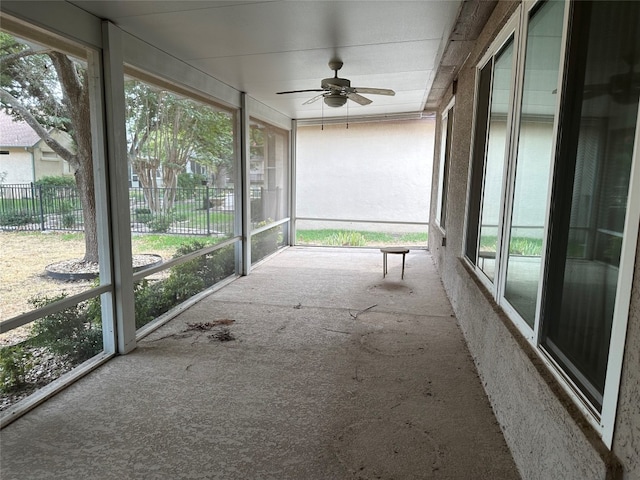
185,280
16,218
15,362
68,220
58,194
144,218
66,206
187,184
150,301
143,215
93,307
56,181
160,224
69,333
198,273
180,217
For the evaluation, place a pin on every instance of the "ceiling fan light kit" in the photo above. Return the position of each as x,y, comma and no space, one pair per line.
336,91
335,100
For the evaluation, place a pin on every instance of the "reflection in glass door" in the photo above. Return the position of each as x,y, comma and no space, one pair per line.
591,186
494,161
542,62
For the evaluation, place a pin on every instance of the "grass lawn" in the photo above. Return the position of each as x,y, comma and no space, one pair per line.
24,256
351,238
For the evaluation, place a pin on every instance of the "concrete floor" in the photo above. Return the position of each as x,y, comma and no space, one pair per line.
312,387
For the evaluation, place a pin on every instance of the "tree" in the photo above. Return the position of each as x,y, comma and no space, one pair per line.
166,131
49,90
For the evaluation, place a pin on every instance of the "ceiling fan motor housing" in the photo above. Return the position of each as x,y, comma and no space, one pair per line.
336,86
331,83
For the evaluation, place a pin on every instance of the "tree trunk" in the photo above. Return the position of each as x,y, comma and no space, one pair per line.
84,181
76,92
146,172
221,177
170,180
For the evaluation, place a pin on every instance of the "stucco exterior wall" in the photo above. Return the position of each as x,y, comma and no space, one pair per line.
25,165
546,433
45,167
370,171
46,162
626,439
17,167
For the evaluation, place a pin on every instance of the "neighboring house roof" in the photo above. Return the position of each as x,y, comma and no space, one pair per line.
16,133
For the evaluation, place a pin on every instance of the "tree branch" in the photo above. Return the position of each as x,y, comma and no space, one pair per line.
9,58
7,98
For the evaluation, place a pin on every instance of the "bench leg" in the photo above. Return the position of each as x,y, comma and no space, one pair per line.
384,265
402,266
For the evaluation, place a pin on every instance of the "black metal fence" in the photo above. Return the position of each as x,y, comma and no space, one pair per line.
186,211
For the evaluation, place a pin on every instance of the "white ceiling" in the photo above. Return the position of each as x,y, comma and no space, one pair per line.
262,46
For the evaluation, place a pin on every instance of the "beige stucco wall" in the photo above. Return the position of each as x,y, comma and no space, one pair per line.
50,165
47,167
626,439
368,171
17,166
25,165
542,427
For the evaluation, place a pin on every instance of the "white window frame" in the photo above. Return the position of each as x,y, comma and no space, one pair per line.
445,156
532,335
510,31
49,156
603,421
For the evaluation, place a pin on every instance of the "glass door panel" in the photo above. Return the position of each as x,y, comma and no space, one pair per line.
494,162
590,190
542,63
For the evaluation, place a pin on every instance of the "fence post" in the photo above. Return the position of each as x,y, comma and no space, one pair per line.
208,204
41,208
33,198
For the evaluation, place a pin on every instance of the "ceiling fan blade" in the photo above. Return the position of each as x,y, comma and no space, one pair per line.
313,99
374,91
302,91
359,98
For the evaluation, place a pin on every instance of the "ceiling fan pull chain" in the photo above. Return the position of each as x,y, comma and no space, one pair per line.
347,115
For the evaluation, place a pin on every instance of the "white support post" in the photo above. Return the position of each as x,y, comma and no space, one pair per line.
245,158
293,140
117,164
101,186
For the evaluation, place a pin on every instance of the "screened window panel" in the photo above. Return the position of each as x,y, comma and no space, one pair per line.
269,173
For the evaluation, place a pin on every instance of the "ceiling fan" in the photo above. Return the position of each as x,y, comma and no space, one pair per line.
336,91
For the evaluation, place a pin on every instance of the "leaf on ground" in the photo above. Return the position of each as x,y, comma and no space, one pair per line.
206,326
224,335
